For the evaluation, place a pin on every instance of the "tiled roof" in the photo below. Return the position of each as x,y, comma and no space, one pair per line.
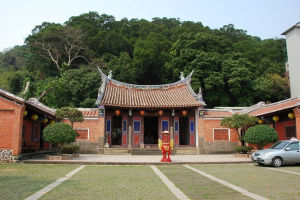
174,95
31,102
89,112
275,107
35,103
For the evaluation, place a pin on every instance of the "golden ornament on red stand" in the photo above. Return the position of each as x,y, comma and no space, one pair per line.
142,113
117,112
166,145
160,112
25,113
184,112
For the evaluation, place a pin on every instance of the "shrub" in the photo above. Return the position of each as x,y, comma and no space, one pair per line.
261,135
59,133
243,149
69,149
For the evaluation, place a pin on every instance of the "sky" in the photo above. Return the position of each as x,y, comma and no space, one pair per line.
262,18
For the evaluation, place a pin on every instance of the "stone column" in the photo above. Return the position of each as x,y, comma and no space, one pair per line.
129,128
172,126
201,135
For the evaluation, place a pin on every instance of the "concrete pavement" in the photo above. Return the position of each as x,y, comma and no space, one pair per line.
96,159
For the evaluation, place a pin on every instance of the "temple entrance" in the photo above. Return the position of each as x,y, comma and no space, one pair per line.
184,135
116,134
150,130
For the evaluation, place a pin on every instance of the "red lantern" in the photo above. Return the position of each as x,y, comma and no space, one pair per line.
117,112
184,112
142,113
160,112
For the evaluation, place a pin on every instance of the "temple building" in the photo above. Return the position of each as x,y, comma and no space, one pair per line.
135,115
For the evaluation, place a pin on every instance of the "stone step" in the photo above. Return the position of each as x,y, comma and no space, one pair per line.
116,151
146,152
186,151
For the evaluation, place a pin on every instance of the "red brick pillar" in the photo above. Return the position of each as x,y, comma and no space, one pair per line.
18,126
297,120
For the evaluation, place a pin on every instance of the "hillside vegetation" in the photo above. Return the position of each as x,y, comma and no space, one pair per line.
60,60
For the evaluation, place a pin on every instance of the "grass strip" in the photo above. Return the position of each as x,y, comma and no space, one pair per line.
196,186
262,181
112,182
18,181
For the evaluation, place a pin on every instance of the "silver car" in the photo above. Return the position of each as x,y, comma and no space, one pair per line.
282,152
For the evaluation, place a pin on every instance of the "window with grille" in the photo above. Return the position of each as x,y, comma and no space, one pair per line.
82,134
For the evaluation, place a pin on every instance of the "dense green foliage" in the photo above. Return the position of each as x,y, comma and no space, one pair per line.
243,149
72,114
231,67
261,135
59,134
69,149
239,122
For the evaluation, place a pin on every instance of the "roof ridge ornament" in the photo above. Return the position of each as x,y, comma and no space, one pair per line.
110,74
181,76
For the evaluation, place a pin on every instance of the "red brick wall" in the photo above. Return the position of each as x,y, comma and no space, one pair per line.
206,129
95,126
11,120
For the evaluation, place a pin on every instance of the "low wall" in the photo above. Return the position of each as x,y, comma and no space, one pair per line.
219,147
87,147
6,155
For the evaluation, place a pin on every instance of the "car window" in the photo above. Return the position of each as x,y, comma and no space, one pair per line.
293,146
279,145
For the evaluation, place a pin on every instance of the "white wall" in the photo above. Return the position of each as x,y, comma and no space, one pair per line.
293,51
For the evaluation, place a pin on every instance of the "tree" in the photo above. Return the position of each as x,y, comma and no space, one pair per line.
239,122
261,135
59,134
61,44
71,114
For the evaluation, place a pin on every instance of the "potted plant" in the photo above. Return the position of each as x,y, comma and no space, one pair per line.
59,134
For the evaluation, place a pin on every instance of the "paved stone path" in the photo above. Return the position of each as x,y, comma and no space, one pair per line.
145,159
46,189
176,191
234,187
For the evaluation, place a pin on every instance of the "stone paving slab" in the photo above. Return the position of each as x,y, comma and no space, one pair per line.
96,159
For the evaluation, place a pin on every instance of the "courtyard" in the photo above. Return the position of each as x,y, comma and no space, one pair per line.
192,181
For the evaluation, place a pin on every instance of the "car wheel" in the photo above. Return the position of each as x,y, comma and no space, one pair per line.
277,162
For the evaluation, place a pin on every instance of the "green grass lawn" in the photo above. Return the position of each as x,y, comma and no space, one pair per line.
196,186
268,183
112,182
18,181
